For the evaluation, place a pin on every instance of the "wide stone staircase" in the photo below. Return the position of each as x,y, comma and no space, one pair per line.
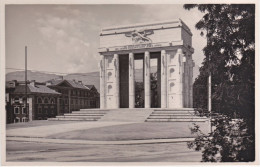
127,115
133,115
82,115
175,115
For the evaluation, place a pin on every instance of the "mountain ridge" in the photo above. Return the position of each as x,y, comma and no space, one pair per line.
90,78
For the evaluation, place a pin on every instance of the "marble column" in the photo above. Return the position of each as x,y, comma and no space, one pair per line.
102,82
131,81
191,83
163,79
116,91
181,79
147,80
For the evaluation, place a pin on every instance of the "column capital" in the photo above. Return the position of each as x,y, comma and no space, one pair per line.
179,51
163,52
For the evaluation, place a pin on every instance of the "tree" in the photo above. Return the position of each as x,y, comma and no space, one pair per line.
230,57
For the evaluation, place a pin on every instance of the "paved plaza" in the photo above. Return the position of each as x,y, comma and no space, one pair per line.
57,141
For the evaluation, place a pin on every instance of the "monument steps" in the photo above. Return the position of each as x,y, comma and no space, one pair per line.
127,115
85,112
174,112
82,115
72,119
175,120
175,115
72,116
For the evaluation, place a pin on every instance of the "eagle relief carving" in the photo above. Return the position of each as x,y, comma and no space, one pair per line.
140,36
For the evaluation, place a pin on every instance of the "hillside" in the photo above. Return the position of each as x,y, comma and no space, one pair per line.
91,78
38,76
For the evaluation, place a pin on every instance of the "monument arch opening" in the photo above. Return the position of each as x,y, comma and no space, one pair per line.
139,80
124,81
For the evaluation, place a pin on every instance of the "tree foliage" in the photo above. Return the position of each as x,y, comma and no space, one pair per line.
230,57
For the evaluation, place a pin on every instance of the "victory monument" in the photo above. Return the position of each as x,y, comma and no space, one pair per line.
169,42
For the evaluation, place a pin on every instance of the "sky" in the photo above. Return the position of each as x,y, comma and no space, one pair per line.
65,38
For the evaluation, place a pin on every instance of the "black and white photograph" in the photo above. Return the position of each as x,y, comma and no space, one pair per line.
129,83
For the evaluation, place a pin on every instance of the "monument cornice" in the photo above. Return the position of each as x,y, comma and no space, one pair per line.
152,26
145,47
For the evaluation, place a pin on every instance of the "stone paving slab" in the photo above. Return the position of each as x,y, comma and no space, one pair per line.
84,154
90,142
44,131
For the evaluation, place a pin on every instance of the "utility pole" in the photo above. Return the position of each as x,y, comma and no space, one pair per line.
26,110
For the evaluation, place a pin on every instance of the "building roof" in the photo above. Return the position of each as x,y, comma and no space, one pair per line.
72,83
35,89
90,86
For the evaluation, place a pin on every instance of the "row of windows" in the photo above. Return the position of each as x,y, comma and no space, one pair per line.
18,100
23,119
80,93
46,100
45,111
77,93
81,102
18,110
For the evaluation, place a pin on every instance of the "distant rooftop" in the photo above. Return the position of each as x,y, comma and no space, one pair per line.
72,83
35,89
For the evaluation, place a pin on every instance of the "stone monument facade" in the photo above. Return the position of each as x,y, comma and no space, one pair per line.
170,42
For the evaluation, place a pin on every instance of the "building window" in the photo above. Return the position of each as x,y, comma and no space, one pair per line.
24,110
24,119
16,99
39,100
16,110
39,110
46,111
52,101
16,120
24,100
46,100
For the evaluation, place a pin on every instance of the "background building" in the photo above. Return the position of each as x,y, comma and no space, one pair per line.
47,100
74,95
41,102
